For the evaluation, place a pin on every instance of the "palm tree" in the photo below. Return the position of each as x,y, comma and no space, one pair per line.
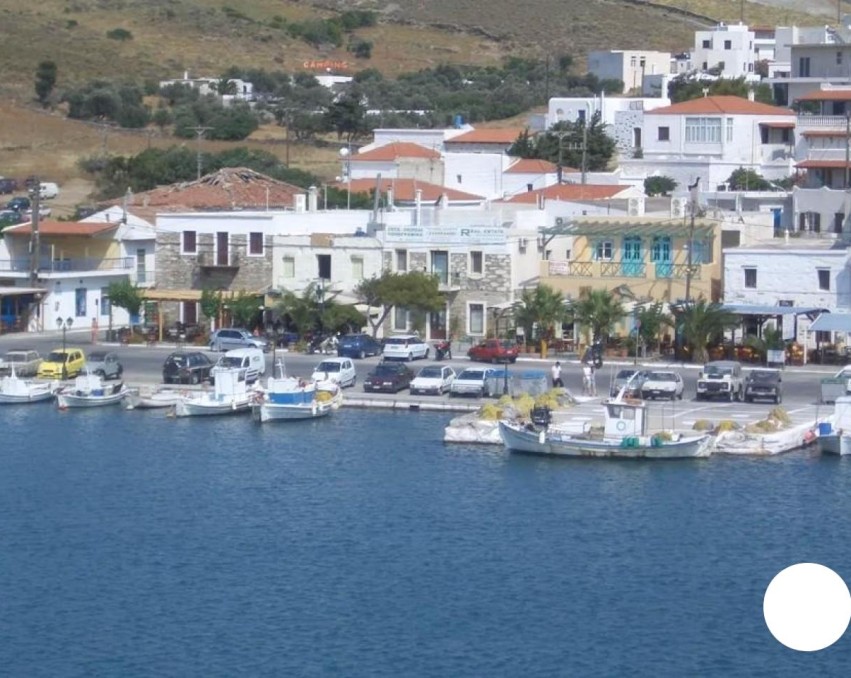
771,339
702,322
651,320
542,307
600,311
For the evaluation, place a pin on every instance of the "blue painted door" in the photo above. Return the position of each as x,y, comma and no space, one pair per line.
631,264
661,255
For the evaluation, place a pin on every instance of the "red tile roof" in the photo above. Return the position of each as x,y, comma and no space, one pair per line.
404,190
827,95
570,192
535,166
489,135
713,105
396,150
63,228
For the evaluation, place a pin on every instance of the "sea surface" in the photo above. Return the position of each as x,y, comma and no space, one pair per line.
132,544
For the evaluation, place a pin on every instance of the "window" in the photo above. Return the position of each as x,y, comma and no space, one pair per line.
323,266
401,261
632,61
703,130
750,278
476,314
824,279
189,245
705,65
838,220
707,44
357,268
729,130
823,337
105,306
288,267
804,67
255,243
809,221
839,58
80,302
664,134
477,264
728,44
400,318
661,250
603,251
440,265
701,252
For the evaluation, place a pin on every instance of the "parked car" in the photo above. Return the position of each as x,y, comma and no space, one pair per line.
405,347
358,346
8,186
48,190
19,204
494,351
339,370
388,377
433,379
475,381
25,361
251,361
764,384
105,364
721,378
186,367
659,384
634,377
11,217
62,364
236,337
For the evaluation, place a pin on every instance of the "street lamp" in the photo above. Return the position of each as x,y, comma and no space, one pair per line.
64,324
346,156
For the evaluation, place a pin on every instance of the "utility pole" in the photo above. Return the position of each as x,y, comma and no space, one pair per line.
34,189
584,152
693,190
199,134
847,149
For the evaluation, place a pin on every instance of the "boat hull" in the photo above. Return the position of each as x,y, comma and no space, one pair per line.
136,401
835,444
271,412
66,400
188,407
32,397
562,445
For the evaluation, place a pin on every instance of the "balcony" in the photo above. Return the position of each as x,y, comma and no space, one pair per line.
46,265
618,269
218,259
820,122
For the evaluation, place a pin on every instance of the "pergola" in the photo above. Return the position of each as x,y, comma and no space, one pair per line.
189,295
764,312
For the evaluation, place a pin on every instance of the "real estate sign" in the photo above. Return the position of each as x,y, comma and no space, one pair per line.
445,235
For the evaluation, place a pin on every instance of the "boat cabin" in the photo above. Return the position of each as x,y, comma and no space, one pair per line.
625,418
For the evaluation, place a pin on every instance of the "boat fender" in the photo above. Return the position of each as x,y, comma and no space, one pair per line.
313,408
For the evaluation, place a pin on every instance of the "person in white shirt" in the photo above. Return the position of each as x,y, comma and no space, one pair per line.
589,382
556,373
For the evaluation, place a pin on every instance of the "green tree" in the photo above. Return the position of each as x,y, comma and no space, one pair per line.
245,309
600,312
45,81
347,117
543,308
162,118
524,145
683,89
414,291
703,322
747,180
126,295
652,320
659,185
771,340
563,143
302,310
211,304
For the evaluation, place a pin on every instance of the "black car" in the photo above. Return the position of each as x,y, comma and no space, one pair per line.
19,204
8,185
388,377
187,367
763,384
358,346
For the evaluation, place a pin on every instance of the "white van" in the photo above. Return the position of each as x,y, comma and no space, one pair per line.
48,190
251,360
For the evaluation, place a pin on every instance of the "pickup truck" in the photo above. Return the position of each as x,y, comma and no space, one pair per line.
25,362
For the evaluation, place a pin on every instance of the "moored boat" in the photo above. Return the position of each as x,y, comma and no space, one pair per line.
624,436
90,391
144,399
230,395
834,435
14,390
289,398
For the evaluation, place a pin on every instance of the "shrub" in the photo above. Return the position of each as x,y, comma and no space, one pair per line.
659,185
120,34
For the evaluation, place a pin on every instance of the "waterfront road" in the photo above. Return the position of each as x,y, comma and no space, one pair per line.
801,385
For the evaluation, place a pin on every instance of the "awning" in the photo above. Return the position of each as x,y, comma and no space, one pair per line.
766,310
191,295
19,291
778,125
642,226
832,322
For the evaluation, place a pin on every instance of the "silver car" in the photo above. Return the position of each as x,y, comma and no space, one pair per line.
105,364
235,337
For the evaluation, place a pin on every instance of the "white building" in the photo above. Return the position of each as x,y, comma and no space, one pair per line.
730,49
241,89
713,136
629,66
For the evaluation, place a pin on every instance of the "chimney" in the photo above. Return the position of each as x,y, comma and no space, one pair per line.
418,205
750,94
443,203
390,198
300,203
311,199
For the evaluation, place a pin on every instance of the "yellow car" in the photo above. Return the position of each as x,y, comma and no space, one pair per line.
72,359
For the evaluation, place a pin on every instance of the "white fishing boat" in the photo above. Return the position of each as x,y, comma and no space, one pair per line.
834,435
624,435
89,390
13,389
289,398
229,395
151,398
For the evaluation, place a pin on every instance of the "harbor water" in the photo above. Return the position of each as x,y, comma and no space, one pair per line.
133,544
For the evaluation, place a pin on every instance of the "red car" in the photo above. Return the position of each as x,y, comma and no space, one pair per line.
494,351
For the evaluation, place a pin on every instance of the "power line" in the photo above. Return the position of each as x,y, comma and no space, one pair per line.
199,135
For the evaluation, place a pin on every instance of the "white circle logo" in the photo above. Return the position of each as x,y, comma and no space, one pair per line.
807,607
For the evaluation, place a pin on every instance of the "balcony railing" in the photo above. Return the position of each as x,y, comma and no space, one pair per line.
75,265
219,259
804,122
619,269
623,269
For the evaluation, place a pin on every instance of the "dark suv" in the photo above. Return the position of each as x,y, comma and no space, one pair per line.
358,346
763,384
8,185
183,367
19,204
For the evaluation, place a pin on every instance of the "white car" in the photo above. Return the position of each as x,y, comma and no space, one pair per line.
405,347
659,384
475,381
433,379
339,370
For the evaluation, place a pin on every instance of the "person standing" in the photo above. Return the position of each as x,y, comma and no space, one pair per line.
589,381
556,374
